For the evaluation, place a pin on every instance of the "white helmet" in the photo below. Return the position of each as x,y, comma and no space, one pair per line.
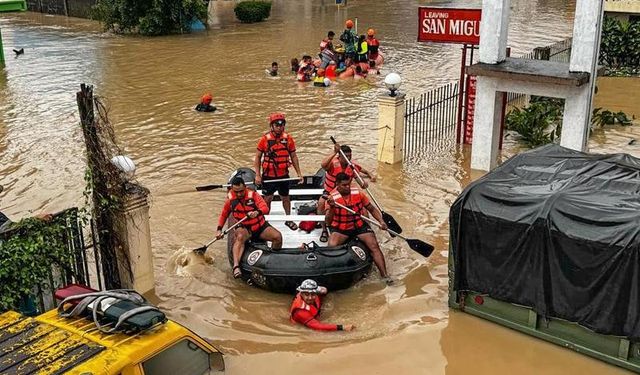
309,286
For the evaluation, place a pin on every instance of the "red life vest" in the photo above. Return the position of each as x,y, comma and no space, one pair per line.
336,167
343,219
373,45
324,44
299,304
276,159
240,208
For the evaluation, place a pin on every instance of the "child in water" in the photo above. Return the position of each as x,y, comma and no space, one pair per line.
205,104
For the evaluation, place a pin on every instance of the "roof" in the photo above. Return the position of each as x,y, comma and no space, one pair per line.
50,344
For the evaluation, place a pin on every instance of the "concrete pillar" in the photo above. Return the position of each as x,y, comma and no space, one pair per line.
133,226
587,28
486,125
494,30
391,110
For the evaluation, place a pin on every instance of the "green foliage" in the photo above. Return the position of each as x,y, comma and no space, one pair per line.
601,118
27,254
150,17
620,47
252,11
539,123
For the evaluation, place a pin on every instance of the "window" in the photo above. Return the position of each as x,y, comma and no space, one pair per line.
185,358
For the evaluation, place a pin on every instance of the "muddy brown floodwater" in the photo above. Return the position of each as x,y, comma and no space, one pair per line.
152,85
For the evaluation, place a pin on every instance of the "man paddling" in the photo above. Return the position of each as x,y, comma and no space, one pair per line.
305,308
243,202
333,164
276,151
345,225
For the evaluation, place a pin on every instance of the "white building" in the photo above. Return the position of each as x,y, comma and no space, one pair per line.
628,10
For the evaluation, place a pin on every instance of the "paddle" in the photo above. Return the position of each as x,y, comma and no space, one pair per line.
418,246
388,219
212,187
201,250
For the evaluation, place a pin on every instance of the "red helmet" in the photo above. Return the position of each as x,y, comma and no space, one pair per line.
275,117
206,98
349,24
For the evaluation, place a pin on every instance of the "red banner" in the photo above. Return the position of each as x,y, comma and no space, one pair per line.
446,25
471,106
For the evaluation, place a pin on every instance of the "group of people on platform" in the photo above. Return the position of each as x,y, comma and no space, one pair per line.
276,152
356,56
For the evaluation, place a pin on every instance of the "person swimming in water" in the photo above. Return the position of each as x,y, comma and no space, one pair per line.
305,308
205,104
273,72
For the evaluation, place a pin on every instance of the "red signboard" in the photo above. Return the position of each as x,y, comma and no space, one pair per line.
471,106
447,25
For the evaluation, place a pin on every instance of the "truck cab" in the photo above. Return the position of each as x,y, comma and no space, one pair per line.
52,344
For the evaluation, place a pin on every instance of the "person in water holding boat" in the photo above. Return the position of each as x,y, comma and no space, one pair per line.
345,225
305,308
276,151
333,164
243,202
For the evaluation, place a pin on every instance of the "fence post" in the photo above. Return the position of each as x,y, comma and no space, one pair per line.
133,224
391,110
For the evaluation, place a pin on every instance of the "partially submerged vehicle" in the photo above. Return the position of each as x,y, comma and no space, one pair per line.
548,244
109,333
302,256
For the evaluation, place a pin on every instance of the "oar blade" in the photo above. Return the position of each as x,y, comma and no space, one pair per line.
420,247
201,250
208,187
391,222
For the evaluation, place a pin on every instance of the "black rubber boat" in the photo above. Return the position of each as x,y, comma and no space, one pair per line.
302,256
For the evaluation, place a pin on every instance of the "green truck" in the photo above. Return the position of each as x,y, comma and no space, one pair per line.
549,244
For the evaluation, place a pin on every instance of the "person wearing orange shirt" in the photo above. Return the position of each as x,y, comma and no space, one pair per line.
345,225
276,151
305,308
242,202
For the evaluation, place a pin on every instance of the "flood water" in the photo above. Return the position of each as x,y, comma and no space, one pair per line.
152,85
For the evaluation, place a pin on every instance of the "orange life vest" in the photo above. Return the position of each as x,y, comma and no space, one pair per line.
276,160
336,167
343,219
240,208
299,304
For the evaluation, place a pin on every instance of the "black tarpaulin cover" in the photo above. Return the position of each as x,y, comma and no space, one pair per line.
556,230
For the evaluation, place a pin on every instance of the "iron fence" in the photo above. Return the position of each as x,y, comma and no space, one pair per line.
430,119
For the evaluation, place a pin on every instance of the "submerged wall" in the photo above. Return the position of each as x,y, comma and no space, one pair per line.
70,8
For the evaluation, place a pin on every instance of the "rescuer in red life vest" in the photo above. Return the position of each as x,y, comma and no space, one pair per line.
243,202
334,164
276,151
306,307
345,225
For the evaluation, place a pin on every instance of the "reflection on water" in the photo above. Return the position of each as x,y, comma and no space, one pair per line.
152,85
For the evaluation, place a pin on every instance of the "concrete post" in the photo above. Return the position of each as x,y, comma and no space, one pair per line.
391,110
494,30
486,126
587,28
133,225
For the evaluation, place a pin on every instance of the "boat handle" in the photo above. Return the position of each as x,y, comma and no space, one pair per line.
312,257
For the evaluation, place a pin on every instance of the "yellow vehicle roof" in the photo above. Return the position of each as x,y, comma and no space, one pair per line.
49,344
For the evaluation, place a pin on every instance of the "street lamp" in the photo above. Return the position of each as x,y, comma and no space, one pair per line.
125,165
393,81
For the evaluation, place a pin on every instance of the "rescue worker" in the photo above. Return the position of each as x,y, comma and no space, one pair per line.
328,41
350,39
205,104
305,308
373,45
333,164
345,225
320,80
363,50
330,72
276,151
243,202
306,69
